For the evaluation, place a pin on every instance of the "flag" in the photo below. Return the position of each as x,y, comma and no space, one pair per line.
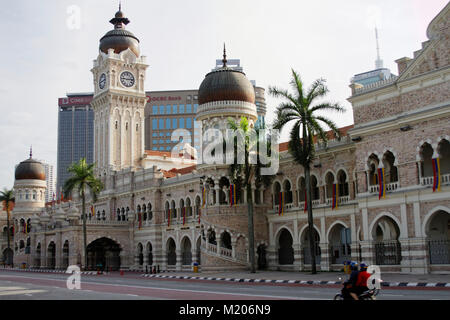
92,211
25,227
382,184
281,204
306,203
335,196
203,196
436,174
232,195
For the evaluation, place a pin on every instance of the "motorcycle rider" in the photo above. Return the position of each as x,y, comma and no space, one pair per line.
361,282
350,291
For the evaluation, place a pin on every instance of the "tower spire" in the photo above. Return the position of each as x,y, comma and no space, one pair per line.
224,56
378,62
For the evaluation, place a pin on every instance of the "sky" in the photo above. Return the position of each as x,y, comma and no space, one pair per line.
48,48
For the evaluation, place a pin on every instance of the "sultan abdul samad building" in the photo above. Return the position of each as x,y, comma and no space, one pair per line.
150,212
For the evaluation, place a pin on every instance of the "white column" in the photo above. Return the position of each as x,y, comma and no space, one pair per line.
417,223
404,226
365,224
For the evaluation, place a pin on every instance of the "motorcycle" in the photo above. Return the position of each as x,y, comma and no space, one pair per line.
366,295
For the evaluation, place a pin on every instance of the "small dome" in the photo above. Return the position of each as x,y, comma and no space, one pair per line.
226,84
119,39
30,169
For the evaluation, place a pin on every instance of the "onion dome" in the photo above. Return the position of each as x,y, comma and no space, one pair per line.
30,169
226,84
119,39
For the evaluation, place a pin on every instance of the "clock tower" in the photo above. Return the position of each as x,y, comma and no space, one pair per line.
119,100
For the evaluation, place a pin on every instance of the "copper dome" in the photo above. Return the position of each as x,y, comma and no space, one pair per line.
30,169
119,39
226,84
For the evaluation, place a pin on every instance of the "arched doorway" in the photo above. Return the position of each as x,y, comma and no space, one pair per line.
65,256
262,262
51,255
37,257
285,251
104,254
8,255
140,251
387,248
186,252
150,254
340,244
171,252
438,238
199,255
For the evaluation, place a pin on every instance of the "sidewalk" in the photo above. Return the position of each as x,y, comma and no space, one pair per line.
321,278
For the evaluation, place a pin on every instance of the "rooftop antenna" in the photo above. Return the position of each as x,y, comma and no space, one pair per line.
378,62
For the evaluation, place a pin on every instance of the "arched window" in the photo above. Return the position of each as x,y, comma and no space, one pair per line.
372,164
287,191
343,184
315,193
443,150
390,170
276,193
118,214
329,182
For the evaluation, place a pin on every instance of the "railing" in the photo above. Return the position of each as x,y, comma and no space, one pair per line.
106,222
389,187
340,252
439,251
315,203
388,252
226,252
211,247
377,84
428,181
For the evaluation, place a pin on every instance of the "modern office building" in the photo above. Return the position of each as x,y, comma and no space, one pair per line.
75,133
50,179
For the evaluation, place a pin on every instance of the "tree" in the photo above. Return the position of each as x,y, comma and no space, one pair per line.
302,109
8,200
82,181
243,174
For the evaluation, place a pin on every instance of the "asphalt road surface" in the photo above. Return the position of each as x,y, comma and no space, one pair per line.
48,286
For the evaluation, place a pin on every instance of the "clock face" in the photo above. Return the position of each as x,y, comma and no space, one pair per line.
127,79
102,81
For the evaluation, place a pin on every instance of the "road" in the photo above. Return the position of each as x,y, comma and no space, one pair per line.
47,286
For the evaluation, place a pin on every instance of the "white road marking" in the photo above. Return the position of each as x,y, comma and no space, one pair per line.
192,291
11,293
11,288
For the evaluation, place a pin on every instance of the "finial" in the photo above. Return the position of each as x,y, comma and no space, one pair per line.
120,5
31,151
224,56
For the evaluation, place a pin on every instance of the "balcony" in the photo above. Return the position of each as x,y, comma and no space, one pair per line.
428,181
390,187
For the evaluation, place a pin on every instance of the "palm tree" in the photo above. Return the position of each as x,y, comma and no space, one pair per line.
302,108
82,181
7,198
243,174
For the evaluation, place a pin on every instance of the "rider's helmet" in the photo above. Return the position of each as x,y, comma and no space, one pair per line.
354,265
363,266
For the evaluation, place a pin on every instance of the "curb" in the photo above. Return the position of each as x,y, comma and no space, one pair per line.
309,282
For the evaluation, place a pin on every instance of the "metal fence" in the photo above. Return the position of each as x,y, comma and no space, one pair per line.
388,252
307,254
340,252
439,251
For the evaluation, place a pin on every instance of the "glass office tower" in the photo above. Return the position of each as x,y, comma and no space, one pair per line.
75,134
